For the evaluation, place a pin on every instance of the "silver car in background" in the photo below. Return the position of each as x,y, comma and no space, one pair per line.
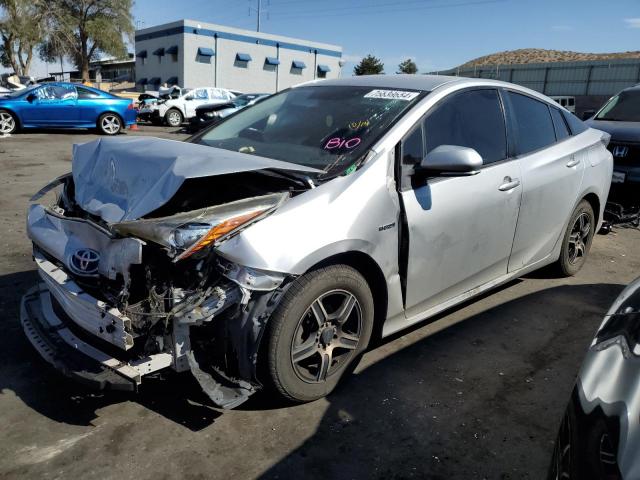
270,249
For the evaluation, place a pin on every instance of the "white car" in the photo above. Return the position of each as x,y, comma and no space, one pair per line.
174,111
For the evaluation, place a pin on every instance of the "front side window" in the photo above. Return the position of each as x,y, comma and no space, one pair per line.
624,107
413,148
56,93
533,124
325,127
471,119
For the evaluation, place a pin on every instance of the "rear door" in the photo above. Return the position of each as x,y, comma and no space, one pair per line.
552,170
460,229
200,97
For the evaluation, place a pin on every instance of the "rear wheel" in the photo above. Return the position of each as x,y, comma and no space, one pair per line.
173,118
577,239
8,123
320,328
109,124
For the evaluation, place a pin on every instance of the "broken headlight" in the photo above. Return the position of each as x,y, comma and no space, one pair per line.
53,193
187,233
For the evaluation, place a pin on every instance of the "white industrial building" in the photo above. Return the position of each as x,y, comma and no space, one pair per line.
193,54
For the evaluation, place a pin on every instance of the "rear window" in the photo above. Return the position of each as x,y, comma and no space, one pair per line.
534,127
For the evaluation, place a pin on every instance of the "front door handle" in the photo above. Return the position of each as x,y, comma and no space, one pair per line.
573,162
509,184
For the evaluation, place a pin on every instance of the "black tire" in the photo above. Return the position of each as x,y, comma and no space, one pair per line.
572,255
110,123
332,286
8,122
173,117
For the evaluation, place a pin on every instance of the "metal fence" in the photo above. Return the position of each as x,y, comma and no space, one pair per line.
598,77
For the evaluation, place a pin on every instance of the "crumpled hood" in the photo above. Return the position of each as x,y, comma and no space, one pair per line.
619,131
122,179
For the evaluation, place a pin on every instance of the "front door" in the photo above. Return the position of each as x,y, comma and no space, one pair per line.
54,105
460,229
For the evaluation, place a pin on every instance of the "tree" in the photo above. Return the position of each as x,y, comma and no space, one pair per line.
408,66
21,30
84,29
369,65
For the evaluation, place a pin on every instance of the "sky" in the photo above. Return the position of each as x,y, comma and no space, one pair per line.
436,34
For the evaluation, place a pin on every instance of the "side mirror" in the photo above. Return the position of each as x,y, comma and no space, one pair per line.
189,98
452,160
31,97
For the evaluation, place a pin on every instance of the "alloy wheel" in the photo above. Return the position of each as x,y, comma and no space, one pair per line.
173,119
579,238
326,337
111,124
7,123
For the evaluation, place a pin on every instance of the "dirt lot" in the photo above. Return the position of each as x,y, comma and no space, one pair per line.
482,399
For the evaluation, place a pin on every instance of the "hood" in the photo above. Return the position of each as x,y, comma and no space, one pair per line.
619,131
124,179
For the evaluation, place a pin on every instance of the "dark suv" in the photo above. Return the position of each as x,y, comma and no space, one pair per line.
620,117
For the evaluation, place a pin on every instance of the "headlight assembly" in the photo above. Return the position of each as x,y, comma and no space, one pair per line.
187,233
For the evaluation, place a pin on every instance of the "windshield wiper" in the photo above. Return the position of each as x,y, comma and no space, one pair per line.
300,179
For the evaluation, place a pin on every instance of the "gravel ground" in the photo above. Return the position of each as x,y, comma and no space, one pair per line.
482,399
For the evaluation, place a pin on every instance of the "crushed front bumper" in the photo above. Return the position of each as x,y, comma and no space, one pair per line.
53,337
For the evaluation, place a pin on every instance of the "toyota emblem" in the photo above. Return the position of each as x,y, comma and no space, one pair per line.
84,261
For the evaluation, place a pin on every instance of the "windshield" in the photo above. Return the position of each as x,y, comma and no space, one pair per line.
624,107
328,128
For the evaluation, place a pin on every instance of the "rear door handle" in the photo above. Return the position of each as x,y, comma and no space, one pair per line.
573,162
509,184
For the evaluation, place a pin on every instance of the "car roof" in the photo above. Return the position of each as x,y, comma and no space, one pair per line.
426,83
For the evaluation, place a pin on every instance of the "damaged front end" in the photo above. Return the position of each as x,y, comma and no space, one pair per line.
124,298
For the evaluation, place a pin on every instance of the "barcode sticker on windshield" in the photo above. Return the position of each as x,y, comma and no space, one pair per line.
392,94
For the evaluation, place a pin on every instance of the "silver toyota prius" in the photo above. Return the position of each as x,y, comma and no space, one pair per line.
269,250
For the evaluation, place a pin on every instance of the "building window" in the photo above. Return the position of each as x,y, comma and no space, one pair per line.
242,60
204,55
173,51
323,70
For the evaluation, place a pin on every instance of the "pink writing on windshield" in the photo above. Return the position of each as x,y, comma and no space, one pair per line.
337,142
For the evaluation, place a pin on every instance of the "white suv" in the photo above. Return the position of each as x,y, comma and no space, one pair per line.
174,111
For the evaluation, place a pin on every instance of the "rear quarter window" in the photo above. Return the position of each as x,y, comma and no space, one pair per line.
576,125
562,131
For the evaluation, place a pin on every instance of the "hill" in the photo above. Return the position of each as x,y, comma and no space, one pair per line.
540,55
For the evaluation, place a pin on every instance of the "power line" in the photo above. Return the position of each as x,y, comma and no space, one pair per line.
369,11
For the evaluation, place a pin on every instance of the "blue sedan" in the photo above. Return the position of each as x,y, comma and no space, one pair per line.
65,105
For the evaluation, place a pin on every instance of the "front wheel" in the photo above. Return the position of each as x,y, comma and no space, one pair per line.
173,118
577,239
8,123
320,328
109,124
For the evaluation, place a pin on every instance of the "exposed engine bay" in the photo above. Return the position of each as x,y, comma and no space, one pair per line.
130,268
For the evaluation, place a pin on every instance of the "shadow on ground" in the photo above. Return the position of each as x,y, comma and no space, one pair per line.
480,399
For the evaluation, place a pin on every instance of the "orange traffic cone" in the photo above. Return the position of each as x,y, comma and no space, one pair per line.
134,126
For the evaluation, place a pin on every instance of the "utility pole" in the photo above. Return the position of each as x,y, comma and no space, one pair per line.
259,13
